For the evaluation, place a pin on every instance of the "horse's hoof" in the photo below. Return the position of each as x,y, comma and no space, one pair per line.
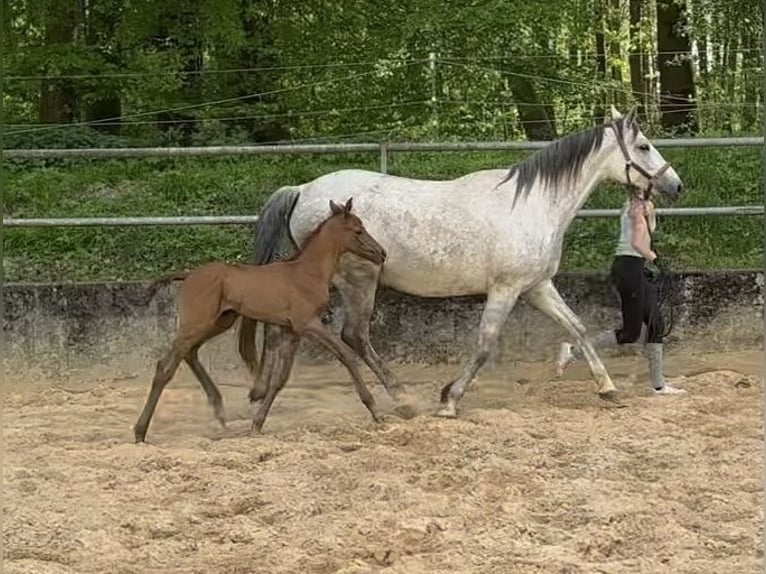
448,412
612,397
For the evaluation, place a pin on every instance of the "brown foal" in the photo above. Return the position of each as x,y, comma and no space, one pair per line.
292,294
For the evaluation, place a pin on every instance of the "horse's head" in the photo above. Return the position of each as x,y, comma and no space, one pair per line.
350,232
638,163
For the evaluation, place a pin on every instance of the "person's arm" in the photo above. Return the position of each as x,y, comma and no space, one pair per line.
641,232
651,216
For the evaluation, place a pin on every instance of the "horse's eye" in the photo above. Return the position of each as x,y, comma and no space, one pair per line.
644,147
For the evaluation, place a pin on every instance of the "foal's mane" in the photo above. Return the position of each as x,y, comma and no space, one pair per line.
562,160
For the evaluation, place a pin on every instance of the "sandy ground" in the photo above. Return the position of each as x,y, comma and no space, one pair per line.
536,476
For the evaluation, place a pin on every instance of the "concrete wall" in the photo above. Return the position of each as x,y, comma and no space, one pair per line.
52,327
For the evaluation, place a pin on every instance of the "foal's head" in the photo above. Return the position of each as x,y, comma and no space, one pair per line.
349,231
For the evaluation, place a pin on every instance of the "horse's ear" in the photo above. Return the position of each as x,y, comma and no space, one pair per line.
335,208
347,207
613,111
631,117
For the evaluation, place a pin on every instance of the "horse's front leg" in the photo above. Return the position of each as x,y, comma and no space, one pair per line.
500,302
547,299
357,283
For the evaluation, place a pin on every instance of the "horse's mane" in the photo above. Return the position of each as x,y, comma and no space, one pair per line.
561,160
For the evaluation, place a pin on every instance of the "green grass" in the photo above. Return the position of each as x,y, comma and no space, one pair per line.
238,186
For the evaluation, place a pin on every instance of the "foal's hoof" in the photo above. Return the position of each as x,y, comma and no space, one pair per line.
139,435
376,416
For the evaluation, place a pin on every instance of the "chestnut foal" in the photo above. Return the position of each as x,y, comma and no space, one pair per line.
292,294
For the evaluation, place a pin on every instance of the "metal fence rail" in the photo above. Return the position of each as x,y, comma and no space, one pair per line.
383,148
250,219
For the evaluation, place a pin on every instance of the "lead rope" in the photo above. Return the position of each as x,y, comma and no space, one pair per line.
667,290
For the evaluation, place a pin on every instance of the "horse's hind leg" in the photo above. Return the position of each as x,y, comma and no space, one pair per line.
283,357
166,368
357,283
273,337
547,299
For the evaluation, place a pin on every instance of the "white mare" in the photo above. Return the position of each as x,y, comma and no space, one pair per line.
493,232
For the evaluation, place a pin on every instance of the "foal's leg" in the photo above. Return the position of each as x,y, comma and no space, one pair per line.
500,302
547,299
166,368
284,356
214,398
346,356
223,324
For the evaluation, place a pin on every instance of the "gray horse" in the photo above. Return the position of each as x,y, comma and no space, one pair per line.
493,232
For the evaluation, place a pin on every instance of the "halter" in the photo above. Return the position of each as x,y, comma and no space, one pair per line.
629,163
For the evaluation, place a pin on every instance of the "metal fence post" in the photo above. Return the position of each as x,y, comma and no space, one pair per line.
383,157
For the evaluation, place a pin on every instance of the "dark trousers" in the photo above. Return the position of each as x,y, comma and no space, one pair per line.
638,300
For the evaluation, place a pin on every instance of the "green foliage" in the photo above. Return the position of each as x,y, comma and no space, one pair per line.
216,72
299,68
237,186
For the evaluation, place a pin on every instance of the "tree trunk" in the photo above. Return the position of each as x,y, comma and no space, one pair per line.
258,52
108,107
58,98
730,79
615,55
638,61
108,110
750,63
677,91
599,110
538,121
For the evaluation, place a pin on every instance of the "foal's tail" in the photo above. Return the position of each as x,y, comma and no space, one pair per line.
271,242
151,291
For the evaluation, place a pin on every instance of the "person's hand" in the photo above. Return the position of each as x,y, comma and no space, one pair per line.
654,269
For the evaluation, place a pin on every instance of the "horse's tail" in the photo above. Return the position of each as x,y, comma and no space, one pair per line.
271,242
151,291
